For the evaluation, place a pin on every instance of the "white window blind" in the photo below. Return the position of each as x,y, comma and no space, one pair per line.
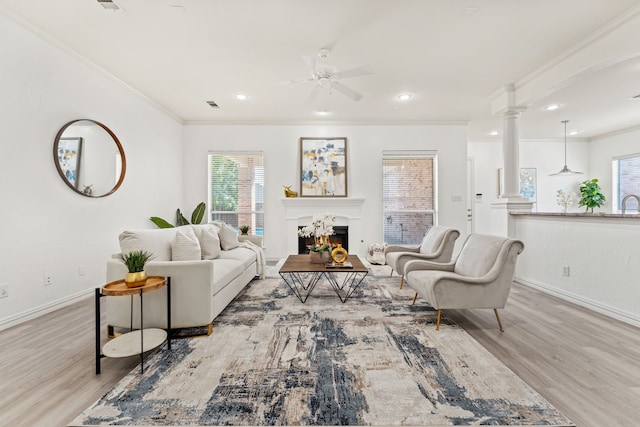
236,189
409,195
626,180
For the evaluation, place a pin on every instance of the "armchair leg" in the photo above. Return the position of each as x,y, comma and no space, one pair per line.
415,297
209,329
391,274
495,310
401,281
438,320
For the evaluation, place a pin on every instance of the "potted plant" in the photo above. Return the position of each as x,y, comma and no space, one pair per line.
135,261
591,193
244,229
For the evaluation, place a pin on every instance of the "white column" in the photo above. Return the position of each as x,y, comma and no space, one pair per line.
511,154
510,200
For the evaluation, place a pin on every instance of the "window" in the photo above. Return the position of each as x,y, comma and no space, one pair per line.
626,180
408,195
236,191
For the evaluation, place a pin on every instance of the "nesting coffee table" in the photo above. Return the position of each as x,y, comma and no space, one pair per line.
302,276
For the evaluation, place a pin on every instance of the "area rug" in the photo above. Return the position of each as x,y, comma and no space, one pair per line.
374,360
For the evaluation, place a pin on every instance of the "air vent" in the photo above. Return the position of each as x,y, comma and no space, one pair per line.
213,104
109,5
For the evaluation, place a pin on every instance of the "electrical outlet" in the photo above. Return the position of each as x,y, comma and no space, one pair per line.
565,271
48,279
4,291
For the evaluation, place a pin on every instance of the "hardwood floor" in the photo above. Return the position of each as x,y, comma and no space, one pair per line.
585,364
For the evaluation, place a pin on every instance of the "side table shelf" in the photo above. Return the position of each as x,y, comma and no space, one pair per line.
135,341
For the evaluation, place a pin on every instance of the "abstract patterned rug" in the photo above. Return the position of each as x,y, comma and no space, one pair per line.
375,360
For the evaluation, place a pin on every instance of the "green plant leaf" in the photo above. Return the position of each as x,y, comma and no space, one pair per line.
135,260
161,223
180,219
198,213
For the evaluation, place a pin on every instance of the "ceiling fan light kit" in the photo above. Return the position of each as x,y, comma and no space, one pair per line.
565,170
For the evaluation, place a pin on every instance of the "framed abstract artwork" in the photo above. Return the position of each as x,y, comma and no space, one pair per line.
69,152
323,167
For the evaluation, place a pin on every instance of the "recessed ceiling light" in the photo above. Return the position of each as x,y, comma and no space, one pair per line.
552,107
241,96
494,133
573,132
323,112
405,96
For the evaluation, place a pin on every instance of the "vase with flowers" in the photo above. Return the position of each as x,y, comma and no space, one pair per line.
320,229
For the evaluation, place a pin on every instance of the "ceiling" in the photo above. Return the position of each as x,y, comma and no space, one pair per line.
453,56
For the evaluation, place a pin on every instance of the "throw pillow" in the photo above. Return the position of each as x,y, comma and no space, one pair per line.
228,236
210,244
156,241
185,246
375,253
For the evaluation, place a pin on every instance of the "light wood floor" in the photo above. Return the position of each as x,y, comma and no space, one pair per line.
585,364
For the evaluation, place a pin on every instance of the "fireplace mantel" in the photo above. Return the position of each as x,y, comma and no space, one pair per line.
300,210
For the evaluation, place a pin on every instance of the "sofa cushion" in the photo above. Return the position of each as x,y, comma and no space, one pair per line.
243,256
156,241
224,271
185,246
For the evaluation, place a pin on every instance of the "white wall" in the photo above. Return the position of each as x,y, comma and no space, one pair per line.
365,145
46,227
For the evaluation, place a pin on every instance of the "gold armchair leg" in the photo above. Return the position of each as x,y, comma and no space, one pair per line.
438,320
414,299
391,274
495,310
209,328
401,281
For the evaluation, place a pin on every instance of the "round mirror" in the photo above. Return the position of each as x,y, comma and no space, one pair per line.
89,158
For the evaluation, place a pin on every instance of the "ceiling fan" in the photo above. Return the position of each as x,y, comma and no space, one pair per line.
326,75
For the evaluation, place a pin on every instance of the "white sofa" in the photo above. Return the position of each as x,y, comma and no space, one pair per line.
206,275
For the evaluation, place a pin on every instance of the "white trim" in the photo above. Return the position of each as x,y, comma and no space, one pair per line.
16,319
588,303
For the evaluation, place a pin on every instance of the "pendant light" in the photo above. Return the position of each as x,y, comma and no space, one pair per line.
565,170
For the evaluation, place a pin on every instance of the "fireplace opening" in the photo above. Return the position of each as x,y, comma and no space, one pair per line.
341,236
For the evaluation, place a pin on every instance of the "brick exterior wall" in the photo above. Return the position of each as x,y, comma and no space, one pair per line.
407,185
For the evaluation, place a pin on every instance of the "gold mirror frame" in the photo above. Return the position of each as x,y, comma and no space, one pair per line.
56,146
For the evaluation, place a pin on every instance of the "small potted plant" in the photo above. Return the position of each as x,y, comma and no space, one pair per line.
135,261
591,193
244,229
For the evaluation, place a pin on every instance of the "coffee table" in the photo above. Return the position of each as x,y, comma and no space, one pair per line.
302,276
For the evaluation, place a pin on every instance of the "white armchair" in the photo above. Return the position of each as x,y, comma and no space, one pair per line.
437,246
480,276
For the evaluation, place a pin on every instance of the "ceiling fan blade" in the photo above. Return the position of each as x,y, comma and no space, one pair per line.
314,94
288,82
346,91
365,70
312,63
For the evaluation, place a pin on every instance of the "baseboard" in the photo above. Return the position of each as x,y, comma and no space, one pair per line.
580,300
16,319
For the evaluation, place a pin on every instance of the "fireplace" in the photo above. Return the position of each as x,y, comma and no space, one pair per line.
340,236
299,211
